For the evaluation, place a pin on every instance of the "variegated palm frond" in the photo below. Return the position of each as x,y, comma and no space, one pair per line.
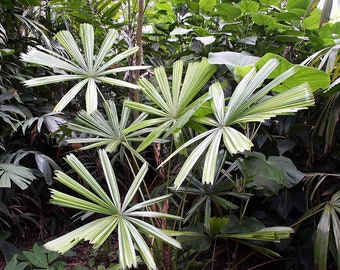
119,216
172,104
247,104
82,65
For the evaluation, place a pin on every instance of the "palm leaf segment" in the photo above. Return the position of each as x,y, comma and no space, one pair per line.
247,104
119,216
328,232
87,68
172,106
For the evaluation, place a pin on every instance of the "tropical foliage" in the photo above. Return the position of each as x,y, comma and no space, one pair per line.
169,135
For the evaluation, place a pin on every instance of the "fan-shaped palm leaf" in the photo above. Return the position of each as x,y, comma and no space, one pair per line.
172,106
247,104
119,216
87,68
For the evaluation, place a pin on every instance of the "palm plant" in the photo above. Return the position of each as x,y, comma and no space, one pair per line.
88,68
119,215
172,106
207,197
327,232
327,59
236,230
244,106
106,130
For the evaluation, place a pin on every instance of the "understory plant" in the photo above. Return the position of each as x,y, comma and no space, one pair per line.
197,121
223,155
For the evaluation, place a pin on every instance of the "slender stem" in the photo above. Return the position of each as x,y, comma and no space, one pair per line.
259,266
139,56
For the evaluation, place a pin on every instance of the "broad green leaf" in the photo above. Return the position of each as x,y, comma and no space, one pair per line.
248,6
312,21
287,166
263,168
294,4
271,2
316,78
245,225
263,19
207,5
216,225
38,258
14,264
227,10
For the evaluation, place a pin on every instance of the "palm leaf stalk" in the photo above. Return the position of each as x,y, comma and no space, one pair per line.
247,104
119,216
87,68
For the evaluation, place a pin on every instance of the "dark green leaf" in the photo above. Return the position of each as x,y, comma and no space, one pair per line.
36,260
52,256
287,166
263,19
246,225
285,145
216,225
227,11
14,264
321,239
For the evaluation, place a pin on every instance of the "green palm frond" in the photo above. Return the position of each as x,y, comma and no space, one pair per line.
248,103
208,195
86,67
172,105
119,216
329,225
268,234
328,60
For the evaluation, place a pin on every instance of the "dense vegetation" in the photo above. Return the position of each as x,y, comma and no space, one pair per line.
169,134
